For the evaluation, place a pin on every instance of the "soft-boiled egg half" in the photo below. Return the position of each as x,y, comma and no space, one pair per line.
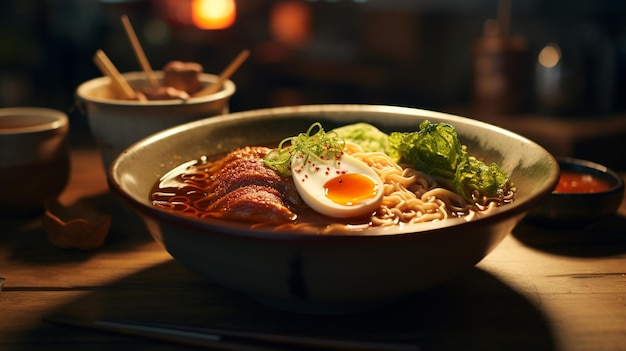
342,188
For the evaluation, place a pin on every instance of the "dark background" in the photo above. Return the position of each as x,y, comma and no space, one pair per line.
397,52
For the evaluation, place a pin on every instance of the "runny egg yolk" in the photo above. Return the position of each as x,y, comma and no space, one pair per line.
350,189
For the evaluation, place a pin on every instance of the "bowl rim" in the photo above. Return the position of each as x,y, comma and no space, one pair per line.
228,90
584,166
224,227
51,119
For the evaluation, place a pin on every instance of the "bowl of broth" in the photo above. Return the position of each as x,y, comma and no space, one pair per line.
586,192
205,192
34,159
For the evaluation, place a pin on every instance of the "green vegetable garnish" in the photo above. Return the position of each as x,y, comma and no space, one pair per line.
436,150
319,145
476,177
370,138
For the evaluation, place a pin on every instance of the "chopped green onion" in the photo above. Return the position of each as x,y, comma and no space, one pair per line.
315,143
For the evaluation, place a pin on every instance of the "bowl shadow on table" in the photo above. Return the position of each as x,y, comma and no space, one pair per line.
605,237
29,243
474,311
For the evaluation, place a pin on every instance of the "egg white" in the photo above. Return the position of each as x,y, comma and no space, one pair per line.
310,178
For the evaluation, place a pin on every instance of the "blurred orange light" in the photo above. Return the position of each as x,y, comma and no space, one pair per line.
550,55
290,22
213,14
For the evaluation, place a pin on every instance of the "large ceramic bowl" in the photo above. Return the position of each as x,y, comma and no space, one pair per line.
326,273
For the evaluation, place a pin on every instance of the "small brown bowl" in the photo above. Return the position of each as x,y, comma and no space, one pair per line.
578,206
34,159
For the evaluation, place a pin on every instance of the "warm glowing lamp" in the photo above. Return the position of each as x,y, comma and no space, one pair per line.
213,14
549,56
290,22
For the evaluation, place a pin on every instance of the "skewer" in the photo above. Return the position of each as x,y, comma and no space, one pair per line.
118,83
141,56
226,73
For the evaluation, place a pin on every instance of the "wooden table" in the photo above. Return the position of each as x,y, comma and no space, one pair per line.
539,290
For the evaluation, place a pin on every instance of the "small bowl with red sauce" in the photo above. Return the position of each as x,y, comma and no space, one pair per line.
587,192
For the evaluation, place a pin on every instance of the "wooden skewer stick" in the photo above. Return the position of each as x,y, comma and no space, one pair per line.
141,56
226,73
118,83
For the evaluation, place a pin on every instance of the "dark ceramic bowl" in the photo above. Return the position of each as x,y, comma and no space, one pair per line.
330,273
566,208
34,159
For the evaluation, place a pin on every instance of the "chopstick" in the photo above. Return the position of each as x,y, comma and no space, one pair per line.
224,339
208,341
141,56
119,84
226,73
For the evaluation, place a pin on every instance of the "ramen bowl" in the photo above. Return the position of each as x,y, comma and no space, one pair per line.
587,192
116,123
34,159
330,273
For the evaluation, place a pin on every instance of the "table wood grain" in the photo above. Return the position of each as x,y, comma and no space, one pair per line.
539,290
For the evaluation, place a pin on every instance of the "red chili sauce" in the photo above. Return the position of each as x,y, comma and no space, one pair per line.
575,182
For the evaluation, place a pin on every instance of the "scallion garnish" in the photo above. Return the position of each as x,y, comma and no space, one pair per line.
315,143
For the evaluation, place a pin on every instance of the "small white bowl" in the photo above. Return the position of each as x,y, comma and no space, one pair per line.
116,123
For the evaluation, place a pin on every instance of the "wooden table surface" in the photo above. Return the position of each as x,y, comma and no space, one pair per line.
539,290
